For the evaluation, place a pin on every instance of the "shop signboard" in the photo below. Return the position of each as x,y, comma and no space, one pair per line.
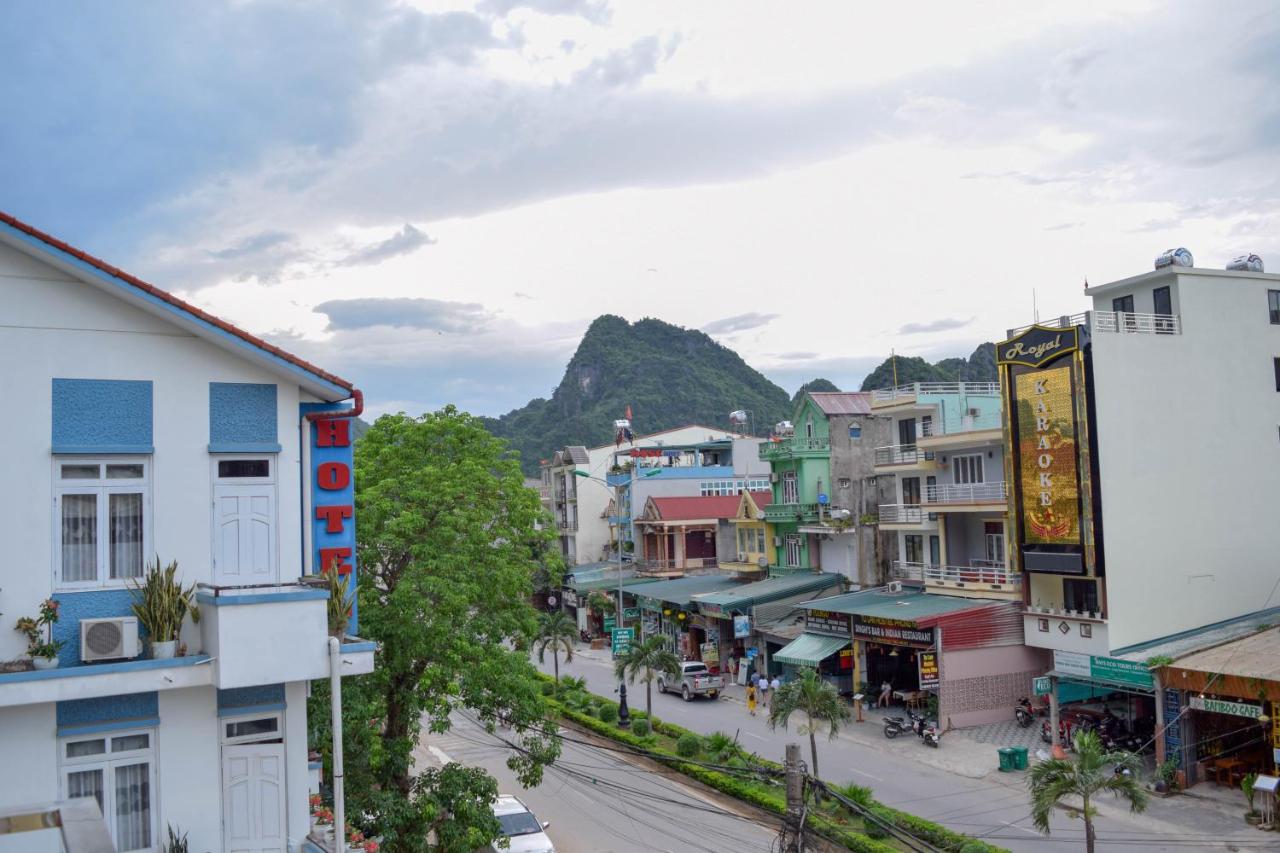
1222,706
1042,686
828,623
710,654
631,613
609,623
570,597
896,632
1173,731
930,675
621,640
1050,485
741,627
1097,668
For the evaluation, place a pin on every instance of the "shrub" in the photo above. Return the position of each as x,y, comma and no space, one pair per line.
876,827
608,712
688,745
719,743
860,794
547,688
640,728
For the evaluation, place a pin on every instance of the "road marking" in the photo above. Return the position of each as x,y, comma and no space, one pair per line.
439,753
1023,828
756,736
865,773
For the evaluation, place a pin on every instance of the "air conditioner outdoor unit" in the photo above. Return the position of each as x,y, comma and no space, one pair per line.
742,558
894,586
777,541
974,412
109,639
773,478
762,562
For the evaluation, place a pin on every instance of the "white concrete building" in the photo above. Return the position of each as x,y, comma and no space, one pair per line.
1176,386
142,427
582,507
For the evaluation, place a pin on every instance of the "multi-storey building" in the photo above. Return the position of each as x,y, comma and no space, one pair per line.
146,428
824,488
589,493
1126,428
946,475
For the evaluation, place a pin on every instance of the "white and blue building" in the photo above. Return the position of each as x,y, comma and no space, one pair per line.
139,427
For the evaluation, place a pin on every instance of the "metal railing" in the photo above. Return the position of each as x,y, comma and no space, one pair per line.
966,493
793,445
566,525
910,391
1113,321
988,574
903,514
791,512
905,570
673,565
901,454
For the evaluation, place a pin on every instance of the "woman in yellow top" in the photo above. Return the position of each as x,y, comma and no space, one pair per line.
751,699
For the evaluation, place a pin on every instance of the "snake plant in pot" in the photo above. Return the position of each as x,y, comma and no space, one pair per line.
162,604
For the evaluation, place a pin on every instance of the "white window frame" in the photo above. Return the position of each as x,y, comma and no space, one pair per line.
792,548
277,735
970,465
107,762
790,487
269,458
102,488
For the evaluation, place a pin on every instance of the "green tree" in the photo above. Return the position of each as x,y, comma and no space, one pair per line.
647,658
818,700
557,632
599,602
1087,776
447,550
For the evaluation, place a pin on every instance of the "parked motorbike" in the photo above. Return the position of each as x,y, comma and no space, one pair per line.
894,726
929,734
1026,712
584,636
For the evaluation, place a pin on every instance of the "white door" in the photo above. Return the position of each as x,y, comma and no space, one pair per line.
253,798
244,534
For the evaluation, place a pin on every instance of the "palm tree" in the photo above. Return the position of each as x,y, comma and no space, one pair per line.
820,703
555,631
1088,775
650,656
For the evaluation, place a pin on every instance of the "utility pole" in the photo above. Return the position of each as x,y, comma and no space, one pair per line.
793,821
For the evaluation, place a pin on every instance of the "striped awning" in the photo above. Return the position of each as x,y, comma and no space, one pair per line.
810,649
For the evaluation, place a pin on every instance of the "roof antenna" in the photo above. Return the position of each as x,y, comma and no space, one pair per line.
893,359
1035,312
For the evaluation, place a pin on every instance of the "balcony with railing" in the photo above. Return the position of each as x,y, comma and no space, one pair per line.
794,447
981,573
913,515
984,495
797,512
902,455
1117,322
909,393
567,525
907,571
673,566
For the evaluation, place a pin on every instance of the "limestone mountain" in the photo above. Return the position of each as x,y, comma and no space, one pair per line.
669,376
979,367
818,384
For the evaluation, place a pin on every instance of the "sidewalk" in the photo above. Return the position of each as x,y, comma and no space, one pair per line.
1187,821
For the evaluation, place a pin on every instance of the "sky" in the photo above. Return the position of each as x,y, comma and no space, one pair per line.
434,200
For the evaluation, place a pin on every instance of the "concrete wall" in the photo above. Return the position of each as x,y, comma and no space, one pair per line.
189,766
30,754
982,686
56,327
1189,457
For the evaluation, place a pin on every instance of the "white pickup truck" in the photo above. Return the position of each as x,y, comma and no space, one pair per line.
695,680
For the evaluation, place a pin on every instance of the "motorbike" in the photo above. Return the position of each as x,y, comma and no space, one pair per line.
1026,712
929,734
894,726
584,636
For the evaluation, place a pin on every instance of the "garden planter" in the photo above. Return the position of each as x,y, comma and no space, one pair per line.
162,651
44,663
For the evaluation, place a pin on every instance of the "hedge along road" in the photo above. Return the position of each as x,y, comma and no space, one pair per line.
997,813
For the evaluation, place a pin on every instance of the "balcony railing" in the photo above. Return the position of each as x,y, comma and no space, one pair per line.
966,493
983,573
906,393
901,454
650,567
791,512
905,570
795,445
566,525
903,514
1114,321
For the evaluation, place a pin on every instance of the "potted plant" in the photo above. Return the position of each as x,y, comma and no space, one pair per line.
176,843
39,633
340,600
1252,816
1166,777
162,605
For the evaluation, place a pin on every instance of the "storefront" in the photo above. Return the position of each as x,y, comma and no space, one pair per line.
667,608
1220,708
825,645
1093,689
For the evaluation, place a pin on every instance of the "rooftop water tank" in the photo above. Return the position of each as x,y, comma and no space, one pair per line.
1178,257
1246,263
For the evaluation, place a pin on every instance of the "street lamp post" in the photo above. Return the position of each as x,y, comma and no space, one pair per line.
624,713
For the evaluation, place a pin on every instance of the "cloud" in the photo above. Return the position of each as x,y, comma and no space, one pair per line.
595,11
738,323
518,295
628,66
795,356
429,314
1063,226
254,244
944,324
405,241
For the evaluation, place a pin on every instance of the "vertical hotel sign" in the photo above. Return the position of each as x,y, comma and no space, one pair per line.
332,471
1044,448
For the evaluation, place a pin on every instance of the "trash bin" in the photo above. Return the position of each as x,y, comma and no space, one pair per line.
1019,757
1007,761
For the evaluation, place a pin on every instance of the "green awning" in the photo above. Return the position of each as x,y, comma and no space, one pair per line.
810,649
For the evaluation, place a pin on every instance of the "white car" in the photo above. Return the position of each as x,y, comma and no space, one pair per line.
520,827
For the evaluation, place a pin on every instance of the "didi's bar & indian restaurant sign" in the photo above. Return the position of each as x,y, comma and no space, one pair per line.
898,632
333,525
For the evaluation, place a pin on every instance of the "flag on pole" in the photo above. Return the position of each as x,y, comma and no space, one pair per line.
628,411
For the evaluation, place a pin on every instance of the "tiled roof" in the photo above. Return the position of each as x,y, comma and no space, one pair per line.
919,607
843,402
164,295
709,506
577,454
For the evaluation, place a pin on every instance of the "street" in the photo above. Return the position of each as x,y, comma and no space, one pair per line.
597,802
995,812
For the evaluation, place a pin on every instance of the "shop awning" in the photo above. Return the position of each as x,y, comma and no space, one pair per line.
680,591
611,584
809,649
741,599
925,609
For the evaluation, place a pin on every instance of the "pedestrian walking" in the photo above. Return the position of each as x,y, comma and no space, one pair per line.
751,699
774,684
763,687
